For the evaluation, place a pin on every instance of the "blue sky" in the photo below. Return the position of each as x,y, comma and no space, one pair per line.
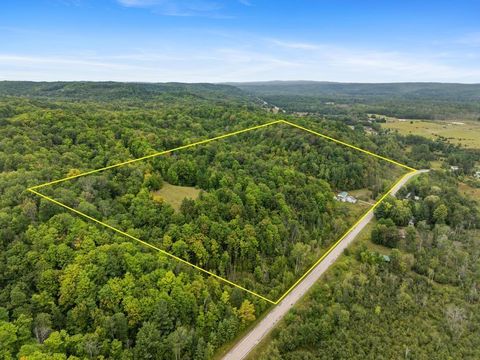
240,40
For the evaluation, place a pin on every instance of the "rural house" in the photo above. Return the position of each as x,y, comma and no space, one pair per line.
344,197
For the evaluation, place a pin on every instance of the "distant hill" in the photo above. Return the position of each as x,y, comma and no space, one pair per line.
105,91
409,100
364,91
406,100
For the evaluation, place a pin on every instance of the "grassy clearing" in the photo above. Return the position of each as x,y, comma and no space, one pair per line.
174,195
350,213
463,132
436,164
469,192
363,194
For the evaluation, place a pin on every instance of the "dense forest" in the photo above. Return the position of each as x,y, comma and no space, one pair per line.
70,289
126,92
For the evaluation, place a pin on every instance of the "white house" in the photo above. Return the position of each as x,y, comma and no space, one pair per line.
344,197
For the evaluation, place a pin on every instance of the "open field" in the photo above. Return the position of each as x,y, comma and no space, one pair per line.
464,132
174,195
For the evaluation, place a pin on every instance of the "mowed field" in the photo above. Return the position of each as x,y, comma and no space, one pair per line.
174,195
464,132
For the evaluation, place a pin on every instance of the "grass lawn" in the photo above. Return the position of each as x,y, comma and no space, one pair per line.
464,132
174,195
363,194
352,212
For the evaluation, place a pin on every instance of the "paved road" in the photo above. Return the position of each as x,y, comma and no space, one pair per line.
247,343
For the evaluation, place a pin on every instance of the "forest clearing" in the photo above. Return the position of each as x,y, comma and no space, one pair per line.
175,194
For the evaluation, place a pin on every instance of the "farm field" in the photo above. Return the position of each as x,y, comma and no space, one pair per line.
463,132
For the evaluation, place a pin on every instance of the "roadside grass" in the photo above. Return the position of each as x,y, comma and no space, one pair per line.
174,195
221,351
460,132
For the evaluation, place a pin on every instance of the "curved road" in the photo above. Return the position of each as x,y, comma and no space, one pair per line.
249,341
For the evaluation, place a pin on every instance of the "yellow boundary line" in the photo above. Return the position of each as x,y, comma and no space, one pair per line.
34,191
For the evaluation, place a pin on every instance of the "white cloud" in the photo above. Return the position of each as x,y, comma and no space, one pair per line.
203,8
50,68
350,63
256,59
295,45
40,60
